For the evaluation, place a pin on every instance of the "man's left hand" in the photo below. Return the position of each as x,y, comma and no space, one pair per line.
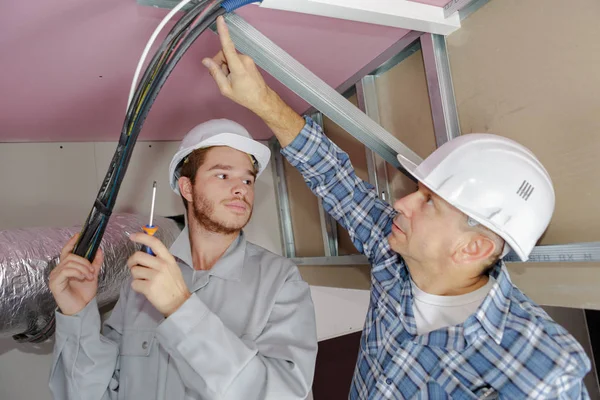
157,277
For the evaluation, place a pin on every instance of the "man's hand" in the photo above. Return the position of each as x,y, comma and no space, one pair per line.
157,277
74,281
240,80
237,76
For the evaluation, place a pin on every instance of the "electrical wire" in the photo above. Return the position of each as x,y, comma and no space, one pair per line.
159,28
181,36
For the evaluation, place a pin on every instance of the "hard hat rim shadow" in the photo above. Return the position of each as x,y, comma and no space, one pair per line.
440,163
217,133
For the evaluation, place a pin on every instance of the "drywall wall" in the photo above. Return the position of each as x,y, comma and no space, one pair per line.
539,86
538,83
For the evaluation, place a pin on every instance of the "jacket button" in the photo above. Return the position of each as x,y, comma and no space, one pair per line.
145,345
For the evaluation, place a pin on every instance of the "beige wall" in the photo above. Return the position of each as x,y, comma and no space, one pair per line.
537,83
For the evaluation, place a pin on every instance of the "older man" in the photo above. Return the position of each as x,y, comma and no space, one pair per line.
444,321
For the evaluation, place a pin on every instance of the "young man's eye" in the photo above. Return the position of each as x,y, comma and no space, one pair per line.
248,182
222,176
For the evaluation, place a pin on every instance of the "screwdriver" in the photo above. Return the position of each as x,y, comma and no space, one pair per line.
150,229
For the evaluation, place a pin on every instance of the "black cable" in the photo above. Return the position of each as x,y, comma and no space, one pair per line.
161,66
95,225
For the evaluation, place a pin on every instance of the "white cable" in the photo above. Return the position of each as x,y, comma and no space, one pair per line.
149,45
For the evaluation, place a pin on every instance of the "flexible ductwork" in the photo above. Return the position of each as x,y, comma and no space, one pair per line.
28,255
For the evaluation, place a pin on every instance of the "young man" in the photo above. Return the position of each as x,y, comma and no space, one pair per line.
213,317
445,321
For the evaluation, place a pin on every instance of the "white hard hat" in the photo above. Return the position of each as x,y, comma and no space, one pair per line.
217,132
494,180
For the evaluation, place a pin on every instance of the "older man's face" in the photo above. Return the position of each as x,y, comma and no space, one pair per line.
427,229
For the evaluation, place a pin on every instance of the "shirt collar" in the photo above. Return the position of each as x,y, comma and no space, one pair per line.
493,312
228,267
491,316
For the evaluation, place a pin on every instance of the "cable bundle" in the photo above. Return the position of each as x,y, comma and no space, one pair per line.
178,40
201,15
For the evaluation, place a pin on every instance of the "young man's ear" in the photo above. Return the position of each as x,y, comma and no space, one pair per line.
478,248
185,188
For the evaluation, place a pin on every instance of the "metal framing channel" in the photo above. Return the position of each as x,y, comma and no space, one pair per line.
560,253
317,93
343,261
573,252
367,101
328,223
312,89
470,8
283,203
441,90
456,5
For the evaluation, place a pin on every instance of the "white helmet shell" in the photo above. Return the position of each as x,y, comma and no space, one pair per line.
495,181
217,132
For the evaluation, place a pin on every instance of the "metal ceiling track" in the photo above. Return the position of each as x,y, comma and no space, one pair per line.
381,145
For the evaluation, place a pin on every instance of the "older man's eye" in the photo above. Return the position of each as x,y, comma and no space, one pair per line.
222,176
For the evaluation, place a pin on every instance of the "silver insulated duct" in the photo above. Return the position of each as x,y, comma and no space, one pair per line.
28,255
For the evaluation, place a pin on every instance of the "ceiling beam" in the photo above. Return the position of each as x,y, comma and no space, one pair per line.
395,13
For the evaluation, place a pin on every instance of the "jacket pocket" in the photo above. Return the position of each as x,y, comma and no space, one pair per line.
139,359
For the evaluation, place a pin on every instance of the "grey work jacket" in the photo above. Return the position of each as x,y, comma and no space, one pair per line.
247,332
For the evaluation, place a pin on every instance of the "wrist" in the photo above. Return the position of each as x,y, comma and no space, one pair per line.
182,299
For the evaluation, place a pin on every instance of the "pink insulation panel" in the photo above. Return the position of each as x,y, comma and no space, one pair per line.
66,67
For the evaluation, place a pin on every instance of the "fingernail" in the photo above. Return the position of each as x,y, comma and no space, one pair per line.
205,62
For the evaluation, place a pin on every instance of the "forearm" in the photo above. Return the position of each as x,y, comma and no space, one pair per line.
215,363
285,123
85,362
328,172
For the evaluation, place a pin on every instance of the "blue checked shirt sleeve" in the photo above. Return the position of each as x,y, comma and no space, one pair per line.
352,202
570,385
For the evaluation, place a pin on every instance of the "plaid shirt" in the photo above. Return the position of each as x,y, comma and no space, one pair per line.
509,348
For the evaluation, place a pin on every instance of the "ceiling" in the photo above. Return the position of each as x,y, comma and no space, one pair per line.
67,66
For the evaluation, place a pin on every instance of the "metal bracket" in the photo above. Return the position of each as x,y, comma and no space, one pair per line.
441,90
368,103
328,223
283,203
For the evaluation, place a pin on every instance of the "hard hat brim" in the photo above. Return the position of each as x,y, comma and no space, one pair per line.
261,153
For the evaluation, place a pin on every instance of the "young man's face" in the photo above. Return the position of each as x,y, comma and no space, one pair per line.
223,191
427,229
